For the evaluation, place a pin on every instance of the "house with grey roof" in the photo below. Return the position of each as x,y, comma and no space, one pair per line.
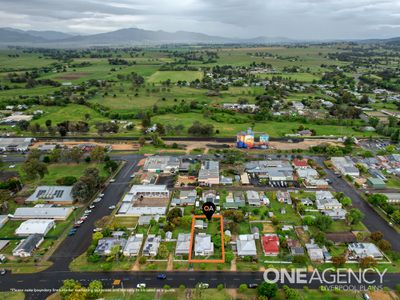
234,200
392,198
203,246
41,211
133,245
3,220
209,173
345,165
186,197
284,197
161,164
106,245
210,196
362,250
52,194
326,201
26,247
315,252
274,170
253,198
151,245
182,244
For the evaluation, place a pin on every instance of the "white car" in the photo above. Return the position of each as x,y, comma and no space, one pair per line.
97,230
88,211
112,180
97,200
203,285
101,195
111,207
141,286
11,166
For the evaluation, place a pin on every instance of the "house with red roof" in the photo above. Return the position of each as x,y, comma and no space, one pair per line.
270,244
300,163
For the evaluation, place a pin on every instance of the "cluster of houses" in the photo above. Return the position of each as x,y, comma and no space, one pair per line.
376,168
309,175
50,204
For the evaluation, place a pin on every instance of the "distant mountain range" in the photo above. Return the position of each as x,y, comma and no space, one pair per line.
133,36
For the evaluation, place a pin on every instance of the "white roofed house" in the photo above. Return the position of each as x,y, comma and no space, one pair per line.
361,250
307,173
203,245
209,173
325,200
345,165
133,245
35,226
329,205
182,244
246,245
315,252
52,194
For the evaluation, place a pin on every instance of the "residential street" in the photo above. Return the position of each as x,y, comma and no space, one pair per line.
76,245
372,220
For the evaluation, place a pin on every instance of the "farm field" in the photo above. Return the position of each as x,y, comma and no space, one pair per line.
182,85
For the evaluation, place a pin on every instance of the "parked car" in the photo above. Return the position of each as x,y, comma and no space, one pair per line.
97,229
162,276
72,232
141,286
88,211
101,195
252,285
97,200
92,206
112,180
3,272
111,207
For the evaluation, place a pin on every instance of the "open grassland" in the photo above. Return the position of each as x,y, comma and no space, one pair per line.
123,97
273,128
175,76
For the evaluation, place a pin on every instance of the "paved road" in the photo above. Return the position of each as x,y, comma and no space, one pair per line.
49,280
372,220
75,245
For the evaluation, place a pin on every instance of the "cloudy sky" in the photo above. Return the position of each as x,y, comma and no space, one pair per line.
301,19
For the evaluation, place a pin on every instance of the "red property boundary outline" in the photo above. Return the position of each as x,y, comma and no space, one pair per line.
192,239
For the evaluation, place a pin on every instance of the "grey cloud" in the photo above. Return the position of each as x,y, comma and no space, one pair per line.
291,18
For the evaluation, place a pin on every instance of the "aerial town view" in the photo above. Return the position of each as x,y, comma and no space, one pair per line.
197,150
